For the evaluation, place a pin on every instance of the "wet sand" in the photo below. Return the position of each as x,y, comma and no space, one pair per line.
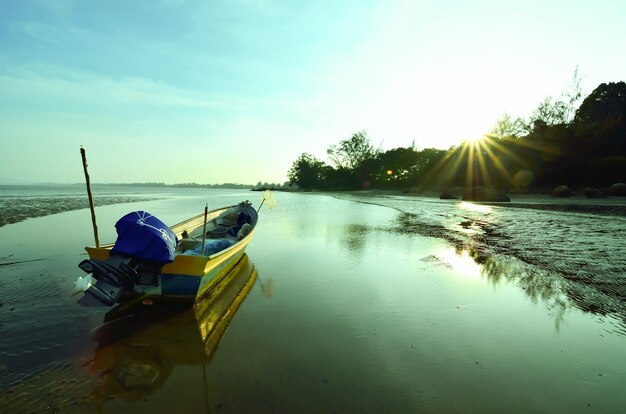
16,209
352,311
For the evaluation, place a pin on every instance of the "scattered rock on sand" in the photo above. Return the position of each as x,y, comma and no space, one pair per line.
561,191
618,189
447,196
485,194
594,193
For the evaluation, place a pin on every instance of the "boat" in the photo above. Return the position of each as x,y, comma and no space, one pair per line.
150,261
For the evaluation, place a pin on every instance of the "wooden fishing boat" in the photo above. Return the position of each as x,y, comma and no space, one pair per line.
151,261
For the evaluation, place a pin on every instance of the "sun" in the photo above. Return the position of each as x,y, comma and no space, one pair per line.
474,140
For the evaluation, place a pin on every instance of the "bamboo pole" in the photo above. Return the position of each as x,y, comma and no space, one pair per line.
206,213
91,206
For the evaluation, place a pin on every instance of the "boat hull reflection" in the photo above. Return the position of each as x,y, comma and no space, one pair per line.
139,346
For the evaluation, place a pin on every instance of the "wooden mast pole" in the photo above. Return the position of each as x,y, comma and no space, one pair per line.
206,213
91,206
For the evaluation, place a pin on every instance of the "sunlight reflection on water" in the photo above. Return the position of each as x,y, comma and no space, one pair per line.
463,263
480,208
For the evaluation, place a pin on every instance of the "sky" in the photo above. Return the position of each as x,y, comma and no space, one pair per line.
217,91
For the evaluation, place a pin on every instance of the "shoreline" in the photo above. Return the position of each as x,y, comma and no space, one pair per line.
517,199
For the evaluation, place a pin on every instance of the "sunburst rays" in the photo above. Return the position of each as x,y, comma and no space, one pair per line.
487,161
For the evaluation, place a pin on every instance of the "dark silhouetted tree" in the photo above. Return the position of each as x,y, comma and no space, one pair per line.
606,101
395,166
600,134
306,172
506,126
561,110
350,153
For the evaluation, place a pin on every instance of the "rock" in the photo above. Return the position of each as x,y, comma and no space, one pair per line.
618,189
561,191
594,193
485,194
137,375
447,196
416,190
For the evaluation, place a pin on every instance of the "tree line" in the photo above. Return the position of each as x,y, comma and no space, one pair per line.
561,142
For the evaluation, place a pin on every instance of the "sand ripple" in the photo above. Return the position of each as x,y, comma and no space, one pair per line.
16,209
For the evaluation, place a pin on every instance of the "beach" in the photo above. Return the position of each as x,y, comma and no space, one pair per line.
360,302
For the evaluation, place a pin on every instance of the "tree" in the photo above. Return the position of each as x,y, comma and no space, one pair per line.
600,121
350,153
550,111
607,100
505,126
396,164
561,110
306,171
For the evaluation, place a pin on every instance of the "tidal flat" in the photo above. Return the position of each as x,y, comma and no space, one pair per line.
354,303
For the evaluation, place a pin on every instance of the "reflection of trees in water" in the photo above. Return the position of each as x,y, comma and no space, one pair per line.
501,259
542,281
538,286
354,237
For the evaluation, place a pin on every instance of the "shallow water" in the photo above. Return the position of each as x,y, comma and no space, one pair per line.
355,308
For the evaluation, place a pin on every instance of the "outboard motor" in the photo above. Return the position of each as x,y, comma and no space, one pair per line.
144,244
107,280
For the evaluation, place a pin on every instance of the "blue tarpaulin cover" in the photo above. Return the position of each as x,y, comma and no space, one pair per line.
211,246
144,236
